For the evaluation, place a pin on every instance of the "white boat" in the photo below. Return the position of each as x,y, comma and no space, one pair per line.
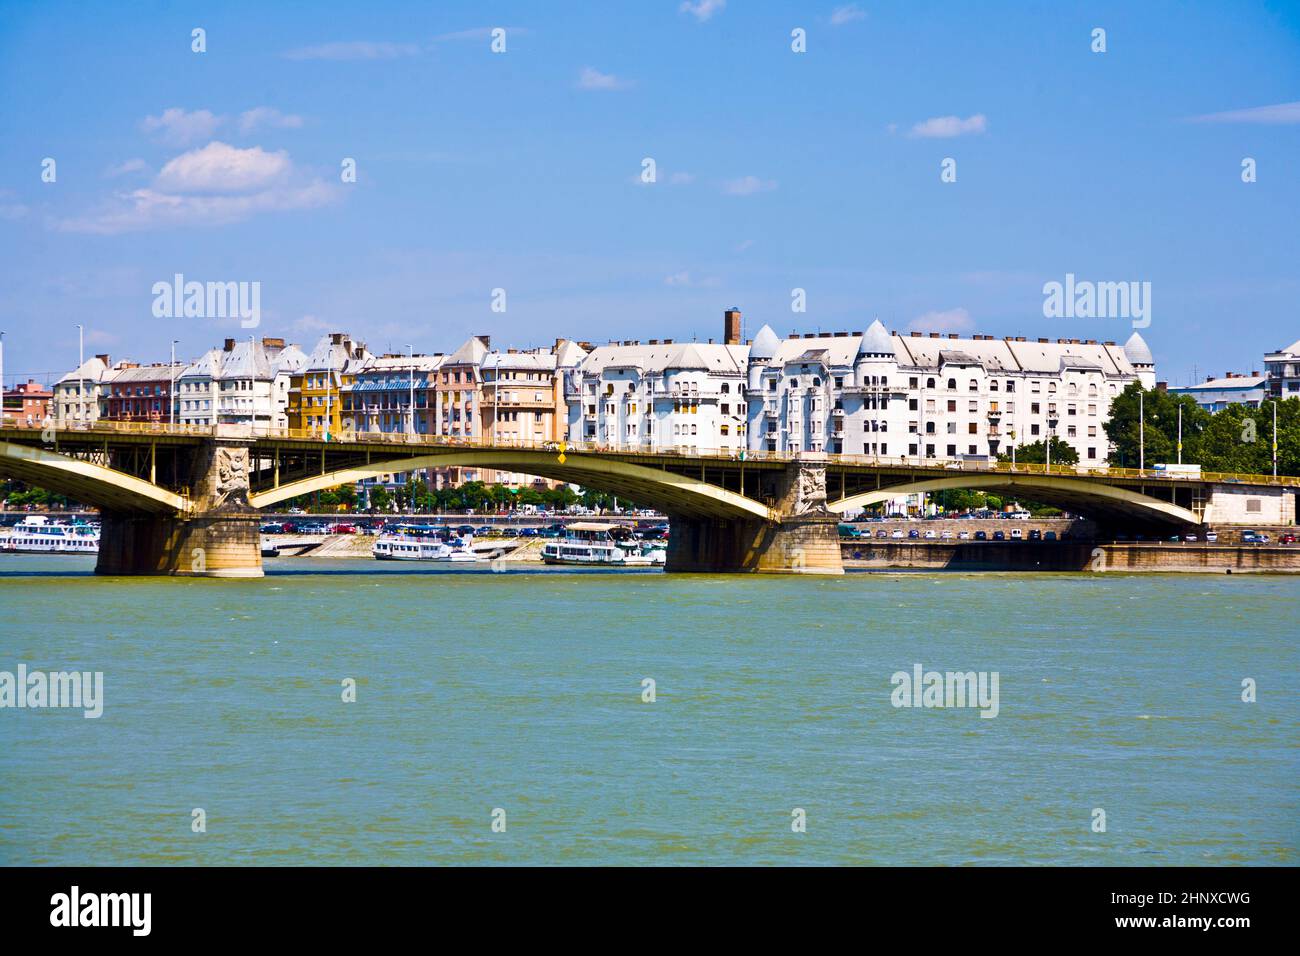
591,543
36,534
405,547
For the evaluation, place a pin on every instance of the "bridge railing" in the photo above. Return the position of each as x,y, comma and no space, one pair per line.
943,466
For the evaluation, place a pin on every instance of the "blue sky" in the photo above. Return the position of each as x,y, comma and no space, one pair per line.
775,170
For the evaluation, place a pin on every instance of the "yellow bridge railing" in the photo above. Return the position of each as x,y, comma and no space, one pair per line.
937,465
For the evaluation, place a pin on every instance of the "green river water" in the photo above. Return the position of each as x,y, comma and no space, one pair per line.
478,691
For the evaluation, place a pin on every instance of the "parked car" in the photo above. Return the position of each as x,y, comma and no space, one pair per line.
1287,539
999,536
896,533
981,536
1211,537
1254,537
1189,537
848,531
945,535
913,533
930,534
343,529
1049,535
963,535
1016,534
1035,534
882,533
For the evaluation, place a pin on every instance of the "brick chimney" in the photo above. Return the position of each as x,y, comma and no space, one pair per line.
731,327
229,345
104,358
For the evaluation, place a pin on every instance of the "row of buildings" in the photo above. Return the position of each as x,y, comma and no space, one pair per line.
1281,380
872,392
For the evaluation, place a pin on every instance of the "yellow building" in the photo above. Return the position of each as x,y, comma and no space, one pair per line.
315,403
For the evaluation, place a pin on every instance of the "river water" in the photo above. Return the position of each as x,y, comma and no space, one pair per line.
522,692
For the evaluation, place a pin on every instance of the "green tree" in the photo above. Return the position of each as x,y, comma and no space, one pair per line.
1063,453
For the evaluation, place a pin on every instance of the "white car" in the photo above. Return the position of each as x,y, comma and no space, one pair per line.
930,535
895,533
1016,533
945,534
963,535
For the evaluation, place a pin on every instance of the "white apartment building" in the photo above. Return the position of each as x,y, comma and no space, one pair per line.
77,394
933,396
689,396
1283,370
242,383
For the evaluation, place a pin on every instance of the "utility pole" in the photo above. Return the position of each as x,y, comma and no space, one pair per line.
329,376
2,375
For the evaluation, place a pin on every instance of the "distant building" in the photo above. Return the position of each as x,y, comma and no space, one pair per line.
138,393
77,394
315,389
1216,394
663,394
1283,371
934,396
29,403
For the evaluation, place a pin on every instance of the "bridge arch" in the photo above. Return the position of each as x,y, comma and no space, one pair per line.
86,481
664,490
1092,498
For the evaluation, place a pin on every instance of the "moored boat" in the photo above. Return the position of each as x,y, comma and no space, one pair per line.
36,534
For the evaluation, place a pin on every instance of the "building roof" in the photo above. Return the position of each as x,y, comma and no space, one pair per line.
1137,351
247,359
520,361
876,340
472,352
1237,383
765,344
91,370
143,373
656,359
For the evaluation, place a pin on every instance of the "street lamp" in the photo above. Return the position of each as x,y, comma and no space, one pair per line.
1142,434
171,389
410,352
2,375
1275,438
1051,433
81,378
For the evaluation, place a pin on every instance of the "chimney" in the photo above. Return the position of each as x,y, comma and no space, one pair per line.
1253,372
952,335
916,335
731,327
103,358
934,335
668,341
486,340
559,343
336,338
229,346
1162,386
273,345
1042,341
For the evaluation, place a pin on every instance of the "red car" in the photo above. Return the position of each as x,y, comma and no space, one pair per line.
1287,539
344,529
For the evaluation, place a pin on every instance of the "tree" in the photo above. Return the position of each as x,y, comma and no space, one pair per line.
1128,437
1063,453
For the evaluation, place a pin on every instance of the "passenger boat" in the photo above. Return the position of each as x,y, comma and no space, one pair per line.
36,534
418,543
590,543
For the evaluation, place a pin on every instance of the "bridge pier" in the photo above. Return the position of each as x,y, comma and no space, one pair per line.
220,535
804,541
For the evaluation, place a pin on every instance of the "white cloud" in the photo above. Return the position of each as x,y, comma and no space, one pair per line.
702,9
847,14
946,127
11,211
267,116
130,166
1277,115
354,50
215,185
219,168
745,245
748,186
952,320
681,179
592,79
175,127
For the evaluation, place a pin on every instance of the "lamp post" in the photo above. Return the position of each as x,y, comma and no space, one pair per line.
171,387
81,377
1051,433
410,352
1142,434
2,375
1180,433
329,375
1275,438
